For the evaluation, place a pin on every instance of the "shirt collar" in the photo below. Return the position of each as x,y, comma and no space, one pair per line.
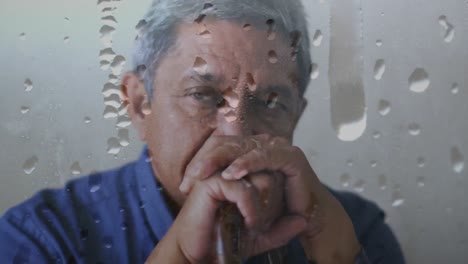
152,201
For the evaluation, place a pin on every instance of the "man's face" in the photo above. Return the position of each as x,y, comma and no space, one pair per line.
220,78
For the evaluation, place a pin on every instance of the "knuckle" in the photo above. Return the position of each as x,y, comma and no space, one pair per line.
297,151
233,146
209,163
258,152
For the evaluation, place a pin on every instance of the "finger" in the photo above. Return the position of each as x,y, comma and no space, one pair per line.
270,187
242,193
290,160
302,185
283,231
204,165
219,153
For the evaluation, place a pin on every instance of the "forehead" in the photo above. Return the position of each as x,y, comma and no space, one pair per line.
227,45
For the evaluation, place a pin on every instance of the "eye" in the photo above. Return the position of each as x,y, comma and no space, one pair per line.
273,102
200,96
205,96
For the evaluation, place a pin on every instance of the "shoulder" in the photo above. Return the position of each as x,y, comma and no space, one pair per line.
55,223
86,191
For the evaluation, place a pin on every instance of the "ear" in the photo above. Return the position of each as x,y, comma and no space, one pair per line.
136,101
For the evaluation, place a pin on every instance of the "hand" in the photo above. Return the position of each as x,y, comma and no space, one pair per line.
193,230
329,236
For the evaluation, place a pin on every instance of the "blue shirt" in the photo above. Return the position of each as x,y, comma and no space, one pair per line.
118,216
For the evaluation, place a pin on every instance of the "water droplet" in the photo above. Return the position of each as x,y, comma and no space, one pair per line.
272,100
315,71
379,43
205,33
247,27
271,33
251,82
109,21
94,183
377,135
421,162
110,112
397,199
414,129
350,163
382,181
118,64
123,121
374,164
379,69
107,241
28,85
200,19
458,160
384,107
421,181
272,57
359,185
124,226
107,11
106,56
110,89
231,97
296,38
84,234
113,146
346,70
455,88
75,168
22,36
318,37
449,30
66,39
113,100
344,179
207,6
96,218
67,19
104,65
146,108
353,130
24,109
419,81
30,165
200,66
230,116
139,28
106,35
123,137
87,120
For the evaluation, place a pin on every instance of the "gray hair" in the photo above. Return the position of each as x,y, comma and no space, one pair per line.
158,29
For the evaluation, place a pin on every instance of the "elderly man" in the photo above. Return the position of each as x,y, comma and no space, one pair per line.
216,93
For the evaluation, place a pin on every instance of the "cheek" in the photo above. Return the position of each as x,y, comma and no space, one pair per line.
174,134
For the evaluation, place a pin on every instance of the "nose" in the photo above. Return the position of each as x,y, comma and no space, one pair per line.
233,124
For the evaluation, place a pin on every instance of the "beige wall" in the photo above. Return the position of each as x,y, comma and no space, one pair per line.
409,158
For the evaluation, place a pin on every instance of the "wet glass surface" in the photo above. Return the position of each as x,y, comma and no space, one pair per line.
386,114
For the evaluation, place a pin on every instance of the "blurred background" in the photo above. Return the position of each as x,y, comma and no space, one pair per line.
404,148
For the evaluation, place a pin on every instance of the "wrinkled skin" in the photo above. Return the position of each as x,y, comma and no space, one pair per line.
219,128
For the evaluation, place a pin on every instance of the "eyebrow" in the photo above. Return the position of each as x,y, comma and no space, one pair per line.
207,77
